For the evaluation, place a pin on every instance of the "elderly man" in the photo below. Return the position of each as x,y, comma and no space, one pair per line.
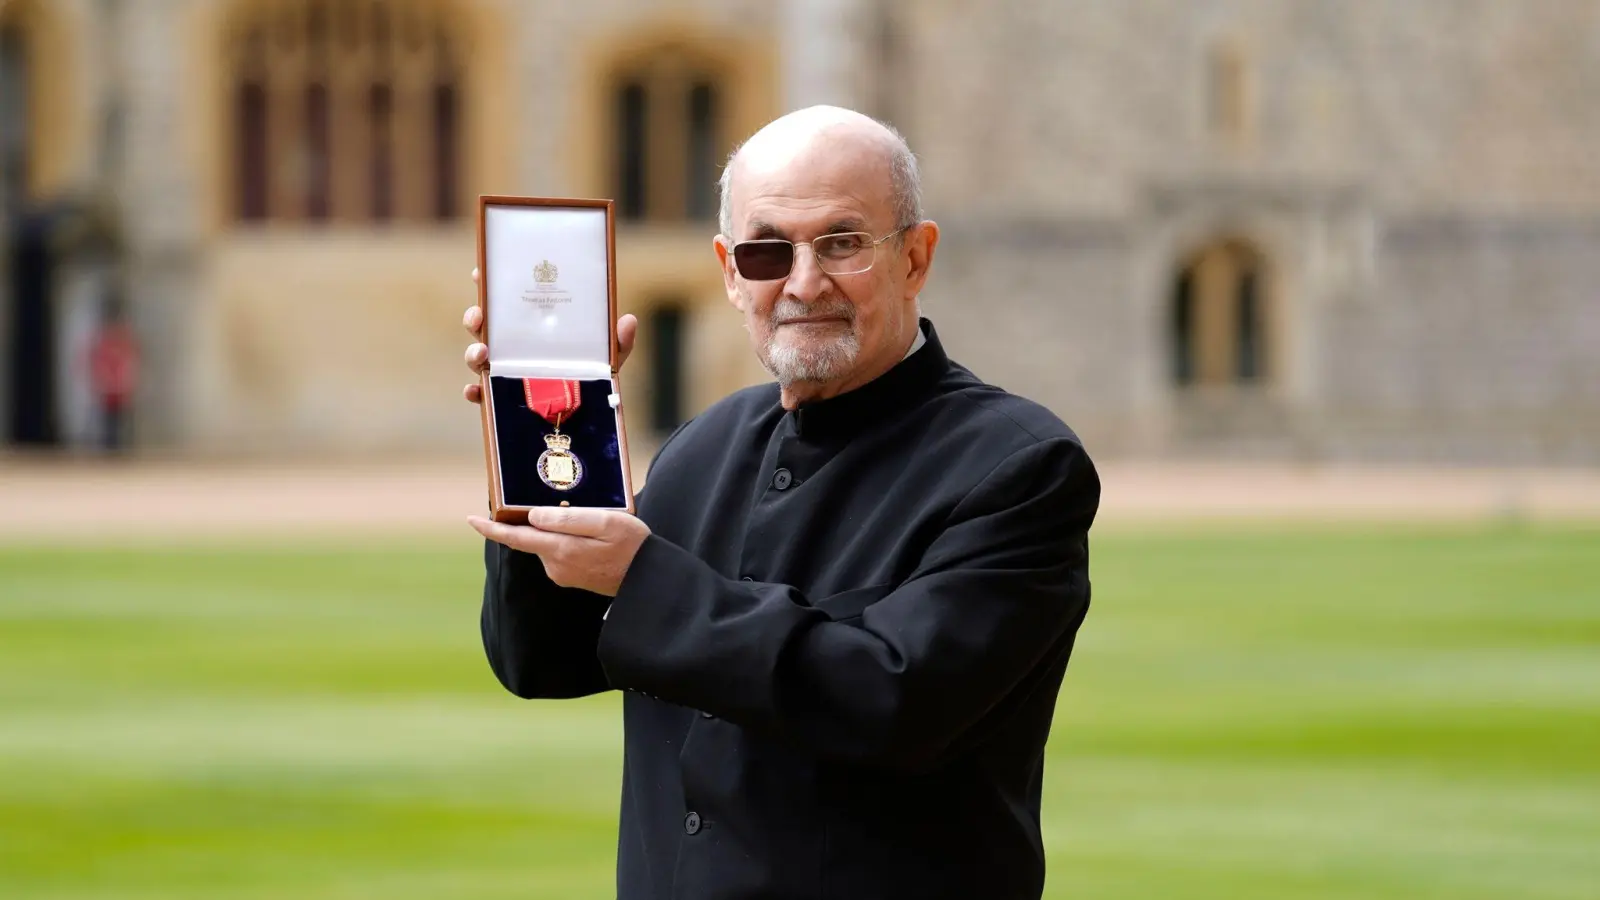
844,611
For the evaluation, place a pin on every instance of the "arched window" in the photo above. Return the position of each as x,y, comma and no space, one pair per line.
346,110
667,110
1219,317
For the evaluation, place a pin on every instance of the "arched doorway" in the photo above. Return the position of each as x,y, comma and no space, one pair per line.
1221,311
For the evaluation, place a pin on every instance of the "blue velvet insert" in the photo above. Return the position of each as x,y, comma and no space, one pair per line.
520,432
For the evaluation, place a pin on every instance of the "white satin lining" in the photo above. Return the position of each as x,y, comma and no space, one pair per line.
549,368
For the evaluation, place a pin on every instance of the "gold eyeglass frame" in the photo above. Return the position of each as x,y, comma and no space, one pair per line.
870,242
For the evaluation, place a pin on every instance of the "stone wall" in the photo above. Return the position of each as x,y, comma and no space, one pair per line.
1433,104
1481,342
1421,173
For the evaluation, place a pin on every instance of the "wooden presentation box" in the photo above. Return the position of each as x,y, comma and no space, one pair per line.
553,432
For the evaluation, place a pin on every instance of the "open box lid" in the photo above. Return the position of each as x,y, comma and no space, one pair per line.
546,286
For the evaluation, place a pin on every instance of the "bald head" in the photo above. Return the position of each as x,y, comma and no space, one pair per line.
821,137
843,187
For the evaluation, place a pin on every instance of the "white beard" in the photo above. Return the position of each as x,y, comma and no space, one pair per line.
794,359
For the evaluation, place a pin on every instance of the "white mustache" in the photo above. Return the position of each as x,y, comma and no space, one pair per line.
787,309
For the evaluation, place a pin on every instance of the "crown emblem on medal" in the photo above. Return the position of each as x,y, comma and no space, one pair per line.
558,441
545,272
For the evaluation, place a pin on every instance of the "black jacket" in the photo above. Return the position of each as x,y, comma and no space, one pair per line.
842,643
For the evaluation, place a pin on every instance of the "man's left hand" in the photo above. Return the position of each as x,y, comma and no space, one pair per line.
589,549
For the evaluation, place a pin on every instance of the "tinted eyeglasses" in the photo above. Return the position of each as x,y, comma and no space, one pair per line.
769,259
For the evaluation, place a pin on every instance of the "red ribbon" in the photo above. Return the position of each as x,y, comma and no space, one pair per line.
552,398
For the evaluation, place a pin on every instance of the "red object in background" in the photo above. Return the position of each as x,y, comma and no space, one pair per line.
114,365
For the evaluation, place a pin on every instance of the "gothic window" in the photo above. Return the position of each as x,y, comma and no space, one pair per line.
704,155
670,144
1219,317
250,114
380,146
346,110
631,150
446,134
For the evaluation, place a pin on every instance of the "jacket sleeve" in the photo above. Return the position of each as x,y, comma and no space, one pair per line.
540,638
1002,587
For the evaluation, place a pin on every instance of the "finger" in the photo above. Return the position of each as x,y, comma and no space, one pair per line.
518,537
578,522
474,274
472,320
473,393
627,330
478,358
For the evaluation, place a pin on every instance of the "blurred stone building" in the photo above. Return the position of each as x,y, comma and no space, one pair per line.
1305,229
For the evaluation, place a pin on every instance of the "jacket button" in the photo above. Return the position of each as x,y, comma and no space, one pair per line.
747,578
782,480
691,823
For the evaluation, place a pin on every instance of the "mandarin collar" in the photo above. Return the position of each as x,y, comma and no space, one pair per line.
879,399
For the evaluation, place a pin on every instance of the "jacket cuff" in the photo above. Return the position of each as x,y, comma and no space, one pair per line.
681,632
642,613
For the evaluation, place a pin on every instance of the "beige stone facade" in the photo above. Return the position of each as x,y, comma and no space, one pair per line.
1298,228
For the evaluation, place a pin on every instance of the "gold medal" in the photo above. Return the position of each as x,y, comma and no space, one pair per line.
554,400
557,466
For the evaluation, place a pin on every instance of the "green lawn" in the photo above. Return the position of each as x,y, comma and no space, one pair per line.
1290,714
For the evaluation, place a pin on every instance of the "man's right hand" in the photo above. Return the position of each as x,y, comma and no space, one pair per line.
478,352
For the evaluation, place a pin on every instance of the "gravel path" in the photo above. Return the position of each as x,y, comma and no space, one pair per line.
54,499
